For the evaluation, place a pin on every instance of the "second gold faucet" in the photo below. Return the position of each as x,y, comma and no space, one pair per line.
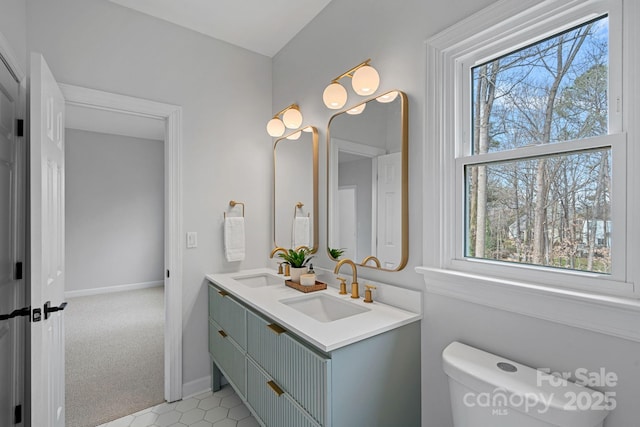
354,271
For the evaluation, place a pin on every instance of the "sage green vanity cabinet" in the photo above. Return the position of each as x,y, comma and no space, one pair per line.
299,371
287,382
229,314
228,355
273,406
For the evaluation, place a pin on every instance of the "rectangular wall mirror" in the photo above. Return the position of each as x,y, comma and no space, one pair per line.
295,189
367,183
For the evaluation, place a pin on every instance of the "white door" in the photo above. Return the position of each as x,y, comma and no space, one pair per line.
47,245
12,296
389,244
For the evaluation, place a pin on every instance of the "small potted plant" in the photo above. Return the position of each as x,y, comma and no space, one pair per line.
298,260
336,253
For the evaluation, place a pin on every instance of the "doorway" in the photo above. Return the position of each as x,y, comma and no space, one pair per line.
171,116
114,240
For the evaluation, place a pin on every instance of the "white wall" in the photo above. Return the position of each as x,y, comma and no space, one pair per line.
114,201
393,34
225,93
13,26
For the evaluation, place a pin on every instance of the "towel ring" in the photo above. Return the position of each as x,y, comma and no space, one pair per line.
299,205
233,203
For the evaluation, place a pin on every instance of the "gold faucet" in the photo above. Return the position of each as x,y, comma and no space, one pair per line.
354,271
371,258
286,267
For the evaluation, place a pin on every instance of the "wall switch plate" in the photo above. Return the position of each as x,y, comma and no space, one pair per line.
192,239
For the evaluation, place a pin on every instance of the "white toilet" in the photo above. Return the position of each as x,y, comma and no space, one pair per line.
489,391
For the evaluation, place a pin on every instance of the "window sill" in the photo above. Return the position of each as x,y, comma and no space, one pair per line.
609,315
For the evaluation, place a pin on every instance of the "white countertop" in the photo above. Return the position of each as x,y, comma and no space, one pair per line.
326,336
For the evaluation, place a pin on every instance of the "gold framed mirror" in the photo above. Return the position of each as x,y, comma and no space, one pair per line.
295,189
367,183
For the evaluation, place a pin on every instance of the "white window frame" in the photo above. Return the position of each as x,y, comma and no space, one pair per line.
605,303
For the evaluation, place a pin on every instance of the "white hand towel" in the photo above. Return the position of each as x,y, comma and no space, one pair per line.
301,228
234,248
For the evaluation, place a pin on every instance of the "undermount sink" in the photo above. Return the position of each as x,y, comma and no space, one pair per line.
323,308
259,280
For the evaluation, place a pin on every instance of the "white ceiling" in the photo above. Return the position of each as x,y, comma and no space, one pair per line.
262,26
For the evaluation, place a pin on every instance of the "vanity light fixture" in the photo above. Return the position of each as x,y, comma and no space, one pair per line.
291,118
364,80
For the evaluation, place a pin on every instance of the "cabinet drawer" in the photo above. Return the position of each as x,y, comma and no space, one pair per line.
229,314
301,372
229,358
274,406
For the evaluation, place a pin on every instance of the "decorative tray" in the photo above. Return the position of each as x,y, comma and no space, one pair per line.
297,286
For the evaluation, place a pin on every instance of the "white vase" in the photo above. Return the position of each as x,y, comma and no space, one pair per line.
296,272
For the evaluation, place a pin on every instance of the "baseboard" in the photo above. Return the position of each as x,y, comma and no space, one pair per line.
110,289
196,387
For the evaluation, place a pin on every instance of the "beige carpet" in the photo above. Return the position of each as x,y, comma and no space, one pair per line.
114,355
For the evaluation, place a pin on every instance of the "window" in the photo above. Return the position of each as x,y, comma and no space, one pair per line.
532,167
548,209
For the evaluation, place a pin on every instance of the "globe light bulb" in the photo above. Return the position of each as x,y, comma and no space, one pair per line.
387,97
334,96
357,109
295,135
275,127
292,118
365,80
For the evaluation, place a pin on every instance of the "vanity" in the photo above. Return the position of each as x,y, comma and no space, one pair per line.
316,359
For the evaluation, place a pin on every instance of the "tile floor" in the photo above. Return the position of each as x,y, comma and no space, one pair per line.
220,409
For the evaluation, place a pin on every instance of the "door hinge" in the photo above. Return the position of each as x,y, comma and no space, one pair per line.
18,272
17,414
168,274
37,315
19,127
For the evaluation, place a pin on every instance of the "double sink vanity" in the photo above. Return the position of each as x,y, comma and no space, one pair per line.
316,359
323,358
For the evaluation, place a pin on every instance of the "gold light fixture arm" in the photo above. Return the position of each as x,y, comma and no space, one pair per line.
290,107
351,71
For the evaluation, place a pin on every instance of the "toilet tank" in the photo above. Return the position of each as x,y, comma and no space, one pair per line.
489,391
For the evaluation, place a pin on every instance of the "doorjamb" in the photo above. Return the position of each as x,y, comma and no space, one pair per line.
172,117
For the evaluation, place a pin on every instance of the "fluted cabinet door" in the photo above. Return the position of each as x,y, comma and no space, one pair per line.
301,372
228,356
274,406
229,314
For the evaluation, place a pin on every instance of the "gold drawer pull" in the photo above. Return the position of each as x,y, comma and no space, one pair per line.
277,329
223,334
277,390
223,293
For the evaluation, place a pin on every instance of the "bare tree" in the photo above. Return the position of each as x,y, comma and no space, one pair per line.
558,71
